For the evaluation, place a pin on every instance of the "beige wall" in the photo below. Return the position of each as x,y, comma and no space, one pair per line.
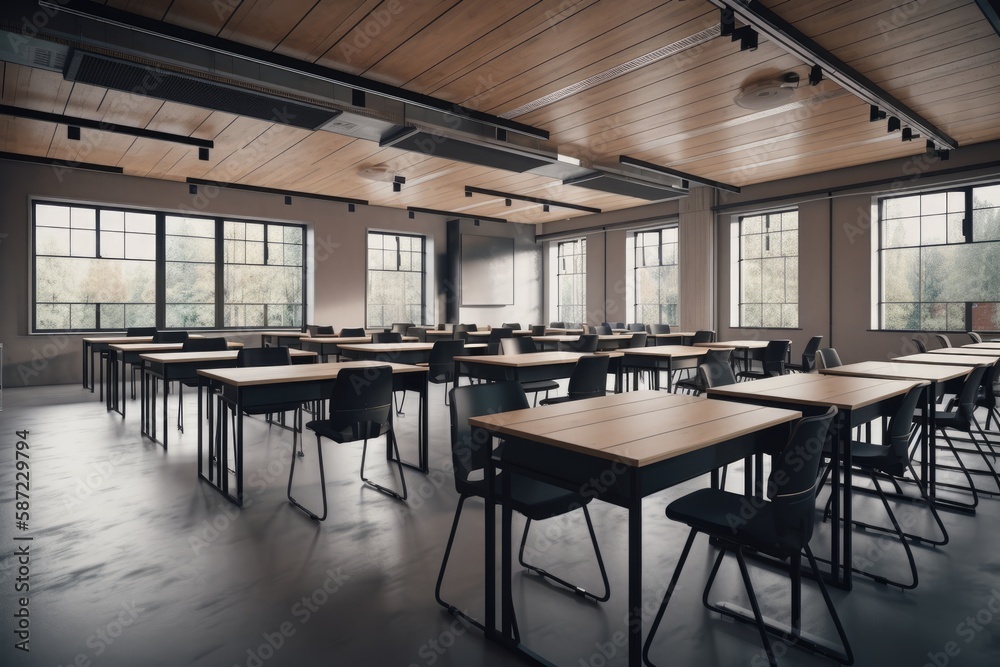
339,257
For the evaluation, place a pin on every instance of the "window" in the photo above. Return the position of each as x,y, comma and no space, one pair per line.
767,247
655,276
938,255
571,281
396,279
106,269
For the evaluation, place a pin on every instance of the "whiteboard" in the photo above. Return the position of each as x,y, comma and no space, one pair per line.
487,270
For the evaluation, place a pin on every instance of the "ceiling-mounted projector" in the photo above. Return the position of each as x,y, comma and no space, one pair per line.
769,93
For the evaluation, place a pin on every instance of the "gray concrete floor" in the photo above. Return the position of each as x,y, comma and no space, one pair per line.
135,562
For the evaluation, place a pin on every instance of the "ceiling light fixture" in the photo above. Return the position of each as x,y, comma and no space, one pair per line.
73,133
508,198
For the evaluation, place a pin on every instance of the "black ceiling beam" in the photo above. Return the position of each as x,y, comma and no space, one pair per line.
533,200
991,10
452,214
785,35
112,16
56,162
274,191
32,114
655,168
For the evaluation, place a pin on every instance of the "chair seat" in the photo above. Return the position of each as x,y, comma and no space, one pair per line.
730,517
345,432
272,407
866,455
540,385
533,499
943,419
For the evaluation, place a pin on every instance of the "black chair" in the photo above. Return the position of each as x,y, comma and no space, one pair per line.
537,329
444,326
962,418
713,371
780,527
773,363
603,329
273,356
524,345
890,461
827,358
589,379
216,344
634,326
420,333
387,337
401,327
360,409
170,336
535,500
808,357
638,339
132,332
460,331
703,336
557,325
514,326
617,325
659,328
324,331
976,338
353,332
944,340
496,335
586,343
441,364
920,345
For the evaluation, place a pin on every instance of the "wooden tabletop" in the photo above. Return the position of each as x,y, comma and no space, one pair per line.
983,351
738,344
896,370
160,347
523,360
558,338
337,340
287,334
257,375
672,333
638,428
845,392
955,359
127,339
549,330
673,351
186,357
983,346
402,347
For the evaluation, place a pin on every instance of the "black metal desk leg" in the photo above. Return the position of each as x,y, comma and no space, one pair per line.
848,510
238,448
634,570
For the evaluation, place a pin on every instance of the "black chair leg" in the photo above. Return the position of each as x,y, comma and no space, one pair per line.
399,406
761,628
666,598
378,487
548,575
180,407
322,483
452,609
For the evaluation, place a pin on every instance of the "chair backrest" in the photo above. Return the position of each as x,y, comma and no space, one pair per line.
471,447
827,358
496,335
387,337
715,374
263,356
774,357
217,344
441,364
361,402
324,330
444,326
590,377
513,326
586,343
638,339
920,344
518,345
703,336
791,486
944,340
151,331
401,327
635,326
354,332
809,353
603,330
966,403
659,328
462,328
557,325
617,325
720,356
420,333
170,336
976,338
900,429
537,329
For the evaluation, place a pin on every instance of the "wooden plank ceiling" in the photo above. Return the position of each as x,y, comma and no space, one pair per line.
941,58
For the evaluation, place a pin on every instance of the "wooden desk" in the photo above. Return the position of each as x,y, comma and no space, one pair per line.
400,353
130,353
860,400
604,341
549,330
982,346
672,338
281,338
240,388
967,351
935,374
181,366
636,444
660,357
751,349
99,344
947,359
533,367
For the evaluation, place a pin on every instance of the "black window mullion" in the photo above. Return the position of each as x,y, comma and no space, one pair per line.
161,270
220,280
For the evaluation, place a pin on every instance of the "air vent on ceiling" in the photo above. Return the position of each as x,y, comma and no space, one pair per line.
627,186
99,70
479,152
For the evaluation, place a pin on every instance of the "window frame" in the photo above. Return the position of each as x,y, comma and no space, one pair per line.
736,298
581,242
423,270
636,248
160,261
967,233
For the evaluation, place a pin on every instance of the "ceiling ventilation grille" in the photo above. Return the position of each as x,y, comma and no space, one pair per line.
129,77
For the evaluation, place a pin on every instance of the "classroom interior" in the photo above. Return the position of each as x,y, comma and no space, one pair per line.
534,126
